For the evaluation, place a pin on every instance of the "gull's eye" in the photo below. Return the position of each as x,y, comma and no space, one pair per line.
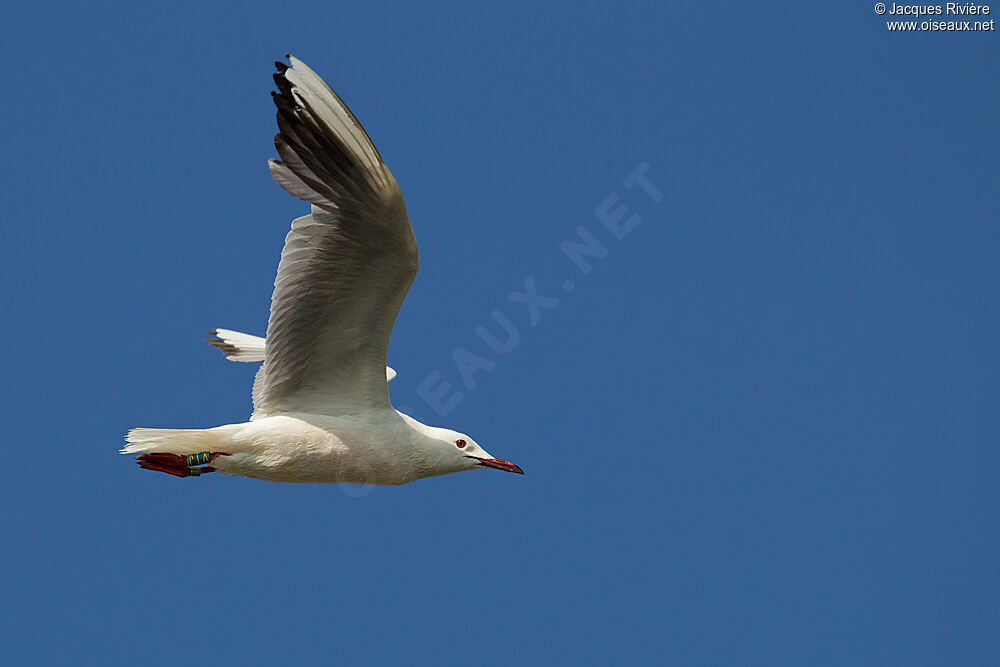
460,443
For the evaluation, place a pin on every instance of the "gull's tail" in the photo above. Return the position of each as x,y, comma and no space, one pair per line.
172,440
178,452
237,346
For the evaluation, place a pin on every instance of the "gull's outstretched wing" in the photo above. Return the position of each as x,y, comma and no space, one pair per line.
345,268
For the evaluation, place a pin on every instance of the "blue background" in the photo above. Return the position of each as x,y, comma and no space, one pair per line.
762,431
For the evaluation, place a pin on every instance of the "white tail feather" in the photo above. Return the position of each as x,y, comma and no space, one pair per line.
171,440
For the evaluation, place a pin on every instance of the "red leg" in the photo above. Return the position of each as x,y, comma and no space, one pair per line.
174,464
168,460
177,472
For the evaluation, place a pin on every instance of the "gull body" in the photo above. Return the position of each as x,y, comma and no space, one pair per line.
384,447
321,404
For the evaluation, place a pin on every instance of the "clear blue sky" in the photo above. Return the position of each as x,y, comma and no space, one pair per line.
762,430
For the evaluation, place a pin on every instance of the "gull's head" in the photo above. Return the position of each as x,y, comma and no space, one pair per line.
463,453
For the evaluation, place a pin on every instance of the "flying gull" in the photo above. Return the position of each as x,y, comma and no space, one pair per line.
321,410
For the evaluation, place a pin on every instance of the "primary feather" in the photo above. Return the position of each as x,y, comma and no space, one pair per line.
345,268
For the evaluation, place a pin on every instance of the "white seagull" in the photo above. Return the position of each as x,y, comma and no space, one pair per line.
321,402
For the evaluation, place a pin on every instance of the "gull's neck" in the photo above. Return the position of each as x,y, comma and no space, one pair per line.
419,427
432,457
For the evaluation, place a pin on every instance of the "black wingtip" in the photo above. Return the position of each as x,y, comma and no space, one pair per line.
221,345
282,83
280,66
217,343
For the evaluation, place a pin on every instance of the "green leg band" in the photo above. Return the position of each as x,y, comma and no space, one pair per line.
199,458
